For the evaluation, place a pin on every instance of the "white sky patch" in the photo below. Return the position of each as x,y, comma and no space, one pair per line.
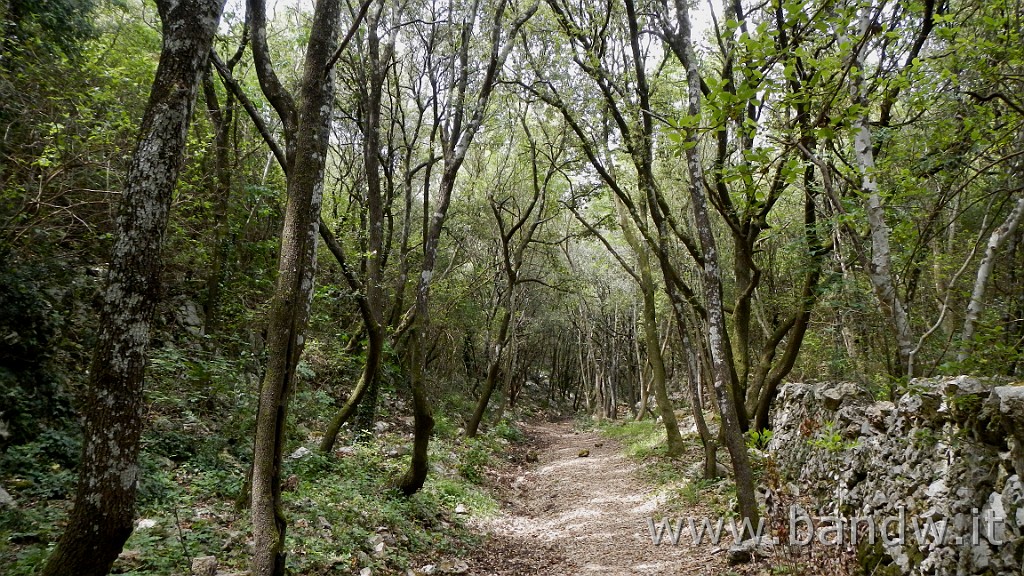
234,11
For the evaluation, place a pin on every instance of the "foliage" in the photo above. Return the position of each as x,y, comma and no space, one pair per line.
830,438
759,439
32,386
775,135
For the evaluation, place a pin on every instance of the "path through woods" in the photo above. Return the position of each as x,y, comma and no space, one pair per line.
582,515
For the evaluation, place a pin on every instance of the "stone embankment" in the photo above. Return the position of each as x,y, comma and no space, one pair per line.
935,473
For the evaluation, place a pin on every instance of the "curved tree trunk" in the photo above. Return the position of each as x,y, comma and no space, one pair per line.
977,304
101,519
370,293
371,371
289,311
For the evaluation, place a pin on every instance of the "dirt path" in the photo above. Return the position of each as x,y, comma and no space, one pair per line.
570,515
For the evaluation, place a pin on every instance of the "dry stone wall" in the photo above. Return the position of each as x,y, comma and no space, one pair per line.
946,458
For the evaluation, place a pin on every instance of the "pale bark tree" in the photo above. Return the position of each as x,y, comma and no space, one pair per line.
977,303
731,430
880,265
104,505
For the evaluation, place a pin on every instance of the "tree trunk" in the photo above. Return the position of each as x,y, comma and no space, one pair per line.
492,372
880,265
289,310
367,378
455,144
222,120
977,304
652,338
101,519
709,442
731,430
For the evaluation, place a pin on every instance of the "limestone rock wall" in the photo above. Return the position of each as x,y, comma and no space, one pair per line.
949,451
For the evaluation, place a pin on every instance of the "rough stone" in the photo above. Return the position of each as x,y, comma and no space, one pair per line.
6,500
938,453
204,566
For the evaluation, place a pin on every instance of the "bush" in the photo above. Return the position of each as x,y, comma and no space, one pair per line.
32,395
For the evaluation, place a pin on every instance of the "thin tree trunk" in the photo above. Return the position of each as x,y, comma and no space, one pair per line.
222,120
289,309
455,145
880,265
493,366
379,61
709,442
977,303
101,518
731,430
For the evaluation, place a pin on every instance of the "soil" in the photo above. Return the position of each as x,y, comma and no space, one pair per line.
582,514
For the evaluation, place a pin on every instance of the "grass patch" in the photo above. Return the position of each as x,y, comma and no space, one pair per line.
679,479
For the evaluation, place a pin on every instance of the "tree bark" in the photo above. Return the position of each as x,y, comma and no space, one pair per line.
101,519
456,144
222,119
977,303
289,311
880,265
731,430
652,338
492,372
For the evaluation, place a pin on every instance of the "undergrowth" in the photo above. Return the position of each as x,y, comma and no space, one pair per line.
343,515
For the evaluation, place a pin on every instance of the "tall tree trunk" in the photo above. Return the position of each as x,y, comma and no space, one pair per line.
722,372
652,339
379,61
101,519
880,265
222,120
455,144
289,310
369,290
693,369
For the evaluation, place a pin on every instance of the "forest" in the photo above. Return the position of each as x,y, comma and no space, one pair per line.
293,284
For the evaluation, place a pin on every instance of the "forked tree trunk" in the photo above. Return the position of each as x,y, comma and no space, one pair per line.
289,310
363,400
455,145
101,519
